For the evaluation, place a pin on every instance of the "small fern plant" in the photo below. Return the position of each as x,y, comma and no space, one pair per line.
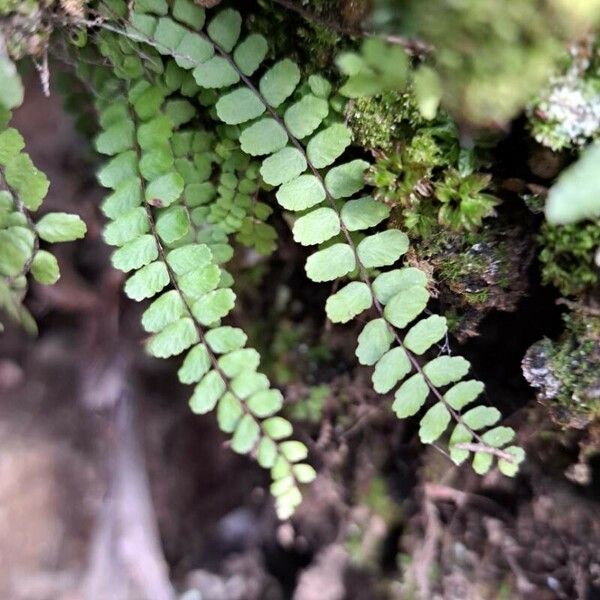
22,190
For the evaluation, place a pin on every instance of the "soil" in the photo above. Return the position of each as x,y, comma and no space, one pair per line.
111,488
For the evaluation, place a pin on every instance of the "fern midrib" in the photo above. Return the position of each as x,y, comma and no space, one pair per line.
199,329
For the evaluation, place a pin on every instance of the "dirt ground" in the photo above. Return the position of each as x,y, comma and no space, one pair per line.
111,489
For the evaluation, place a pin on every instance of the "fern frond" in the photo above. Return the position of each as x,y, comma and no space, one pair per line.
170,238
22,190
295,127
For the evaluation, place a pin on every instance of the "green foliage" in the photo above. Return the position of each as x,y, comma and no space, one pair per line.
172,232
22,190
568,256
183,179
432,181
288,136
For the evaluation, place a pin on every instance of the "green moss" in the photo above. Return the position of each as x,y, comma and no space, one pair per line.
567,372
568,256
378,122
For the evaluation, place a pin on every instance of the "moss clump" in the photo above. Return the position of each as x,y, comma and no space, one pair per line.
475,272
567,372
568,256
379,121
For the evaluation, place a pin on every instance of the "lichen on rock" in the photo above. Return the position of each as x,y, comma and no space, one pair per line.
566,372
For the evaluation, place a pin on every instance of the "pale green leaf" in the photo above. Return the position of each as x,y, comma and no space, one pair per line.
301,193
481,417
121,168
331,263
116,138
173,224
207,393
391,368
127,195
192,51
319,86
166,309
226,339
387,285
304,473
246,435
460,435
229,413
216,72
189,13
235,362
165,190
278,83
316,227
363,213
382,249
60,227
482,462
410,396
135,254
328,145
350,301
434,422
293,450
173,339
266,453
44,268
147,282
200,281
224,29
374,341
11,143
127,227
250,53
195,365
12,91
425,333
303,117
446,369
239,106
27,180
498,437
277,428
510,469
265,403
188,258
263,137
248,383
463,393
346,179
213,306
283,166
406,306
